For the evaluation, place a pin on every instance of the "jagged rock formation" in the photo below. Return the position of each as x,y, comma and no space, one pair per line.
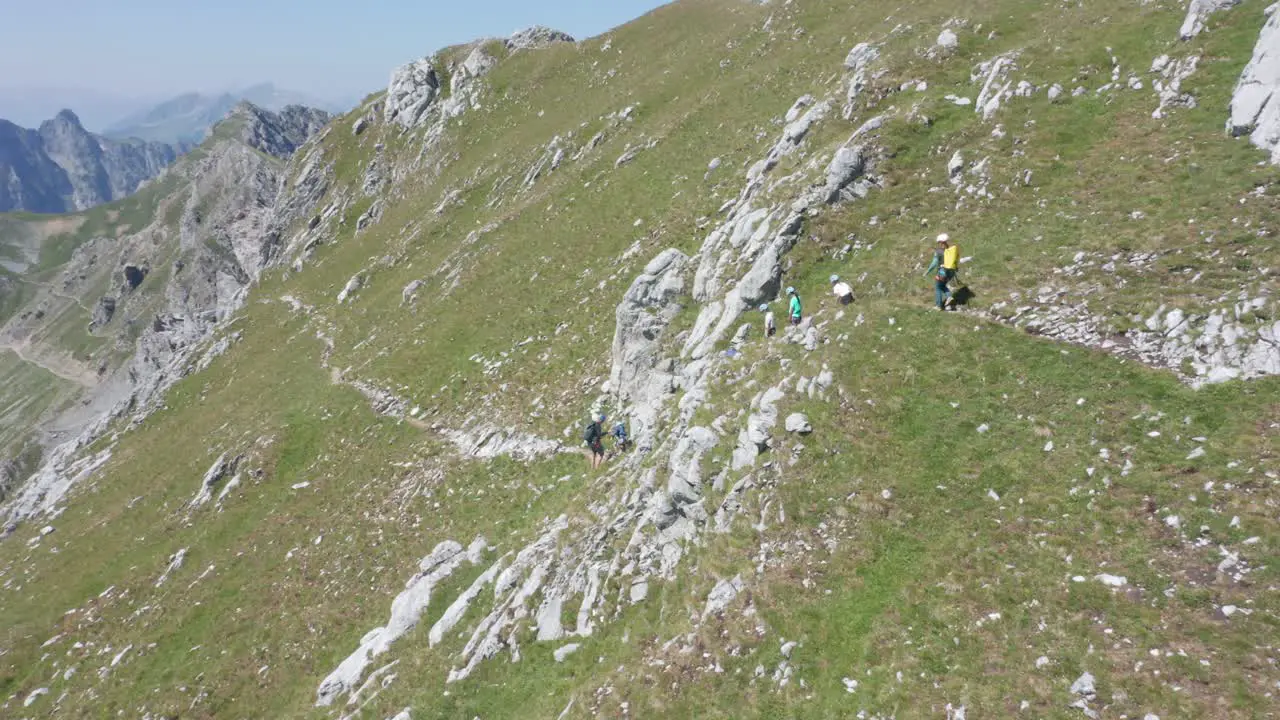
414,89
61,167
279,133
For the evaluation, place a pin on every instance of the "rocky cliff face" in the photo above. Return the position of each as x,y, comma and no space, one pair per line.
211,232
61,167
276,133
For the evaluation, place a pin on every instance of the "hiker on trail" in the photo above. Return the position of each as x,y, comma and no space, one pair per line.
841,290
594,438
621,442
770,327
796,312
946,261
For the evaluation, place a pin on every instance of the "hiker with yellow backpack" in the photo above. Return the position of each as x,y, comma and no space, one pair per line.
946,262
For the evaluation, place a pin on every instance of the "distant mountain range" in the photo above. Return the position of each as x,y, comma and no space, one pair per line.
30,106
61,167
187,118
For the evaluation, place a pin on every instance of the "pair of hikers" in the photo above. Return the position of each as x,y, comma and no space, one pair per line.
795,313
795,309
946,262
594,436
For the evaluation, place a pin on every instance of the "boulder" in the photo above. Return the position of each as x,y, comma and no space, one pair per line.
412,91
103,312
409,295
352,287
848,165
798,423
947,40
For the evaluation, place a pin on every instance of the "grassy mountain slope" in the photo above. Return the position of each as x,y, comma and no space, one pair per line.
937,541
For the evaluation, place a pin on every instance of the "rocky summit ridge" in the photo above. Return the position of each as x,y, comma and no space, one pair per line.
343,477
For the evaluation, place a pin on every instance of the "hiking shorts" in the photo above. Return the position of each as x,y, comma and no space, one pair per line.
795,321
597,447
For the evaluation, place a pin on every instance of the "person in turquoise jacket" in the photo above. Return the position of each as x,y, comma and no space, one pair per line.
946,262
796,312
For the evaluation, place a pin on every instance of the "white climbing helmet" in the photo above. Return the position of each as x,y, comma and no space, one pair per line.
764,307
944,238
791,291
835,279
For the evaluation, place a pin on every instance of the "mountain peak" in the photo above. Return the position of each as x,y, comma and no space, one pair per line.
66,116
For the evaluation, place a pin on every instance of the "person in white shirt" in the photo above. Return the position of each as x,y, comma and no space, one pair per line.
841,290
770,327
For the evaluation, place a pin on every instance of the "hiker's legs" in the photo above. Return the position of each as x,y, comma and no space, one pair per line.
940,293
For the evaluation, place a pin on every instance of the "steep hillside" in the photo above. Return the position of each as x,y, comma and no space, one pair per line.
61,167
365,496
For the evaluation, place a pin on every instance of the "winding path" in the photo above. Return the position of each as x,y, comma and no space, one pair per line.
70,373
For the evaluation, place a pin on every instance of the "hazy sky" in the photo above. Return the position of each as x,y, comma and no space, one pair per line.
329,48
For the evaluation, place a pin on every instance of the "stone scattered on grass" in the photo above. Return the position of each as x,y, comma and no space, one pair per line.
563,652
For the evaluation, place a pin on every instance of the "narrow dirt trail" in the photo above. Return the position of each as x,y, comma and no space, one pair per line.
67,371
55,293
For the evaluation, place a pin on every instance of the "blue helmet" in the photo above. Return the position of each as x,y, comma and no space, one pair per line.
764,307
791,291
835,279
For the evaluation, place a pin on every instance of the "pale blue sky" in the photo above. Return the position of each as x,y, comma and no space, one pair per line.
329,48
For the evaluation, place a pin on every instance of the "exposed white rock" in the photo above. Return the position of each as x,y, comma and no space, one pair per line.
798,423
722,595
858,63
947,39
563,652
351,288
1111,580
538,36
406,610
218,471
409,295
454,613
411,92
847,167
1255,110
995,83
485,441
640,378
1168,85
1084,686
175,562
1198,11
